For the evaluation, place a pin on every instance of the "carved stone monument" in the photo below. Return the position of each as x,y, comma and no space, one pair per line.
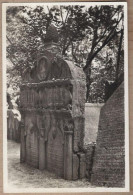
52,108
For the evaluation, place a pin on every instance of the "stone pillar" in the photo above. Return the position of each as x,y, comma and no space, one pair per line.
42,152
75,167
82,165
68,155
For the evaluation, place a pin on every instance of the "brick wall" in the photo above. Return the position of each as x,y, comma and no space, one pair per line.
109,158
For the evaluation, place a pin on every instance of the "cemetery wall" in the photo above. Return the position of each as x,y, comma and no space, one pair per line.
109,157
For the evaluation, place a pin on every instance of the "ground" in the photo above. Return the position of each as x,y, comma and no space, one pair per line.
21,175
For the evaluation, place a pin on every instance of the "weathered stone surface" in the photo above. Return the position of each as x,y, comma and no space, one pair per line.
82,165
75,167
32,141
92,114
109,160
68,156
52,105
52,34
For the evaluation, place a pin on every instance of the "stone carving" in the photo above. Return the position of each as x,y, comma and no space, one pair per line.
42,68
53,104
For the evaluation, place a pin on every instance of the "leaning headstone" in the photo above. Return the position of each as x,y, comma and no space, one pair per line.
10,124
13,122
52,108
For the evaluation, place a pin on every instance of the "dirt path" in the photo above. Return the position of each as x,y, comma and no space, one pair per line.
24,176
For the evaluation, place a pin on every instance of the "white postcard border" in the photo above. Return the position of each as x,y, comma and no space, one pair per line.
6,187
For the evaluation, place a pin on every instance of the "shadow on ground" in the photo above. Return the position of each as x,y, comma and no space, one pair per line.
21,175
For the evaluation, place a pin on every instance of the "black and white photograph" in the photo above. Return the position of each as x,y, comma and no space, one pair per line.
65,94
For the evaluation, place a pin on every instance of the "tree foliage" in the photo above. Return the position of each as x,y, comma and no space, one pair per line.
91,36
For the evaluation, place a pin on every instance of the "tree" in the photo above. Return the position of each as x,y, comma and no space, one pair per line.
105,26
85,33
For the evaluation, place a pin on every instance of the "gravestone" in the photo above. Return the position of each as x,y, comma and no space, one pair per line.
52,108
10,124
13,122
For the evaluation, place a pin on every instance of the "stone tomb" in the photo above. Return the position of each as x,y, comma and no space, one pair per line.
52,108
